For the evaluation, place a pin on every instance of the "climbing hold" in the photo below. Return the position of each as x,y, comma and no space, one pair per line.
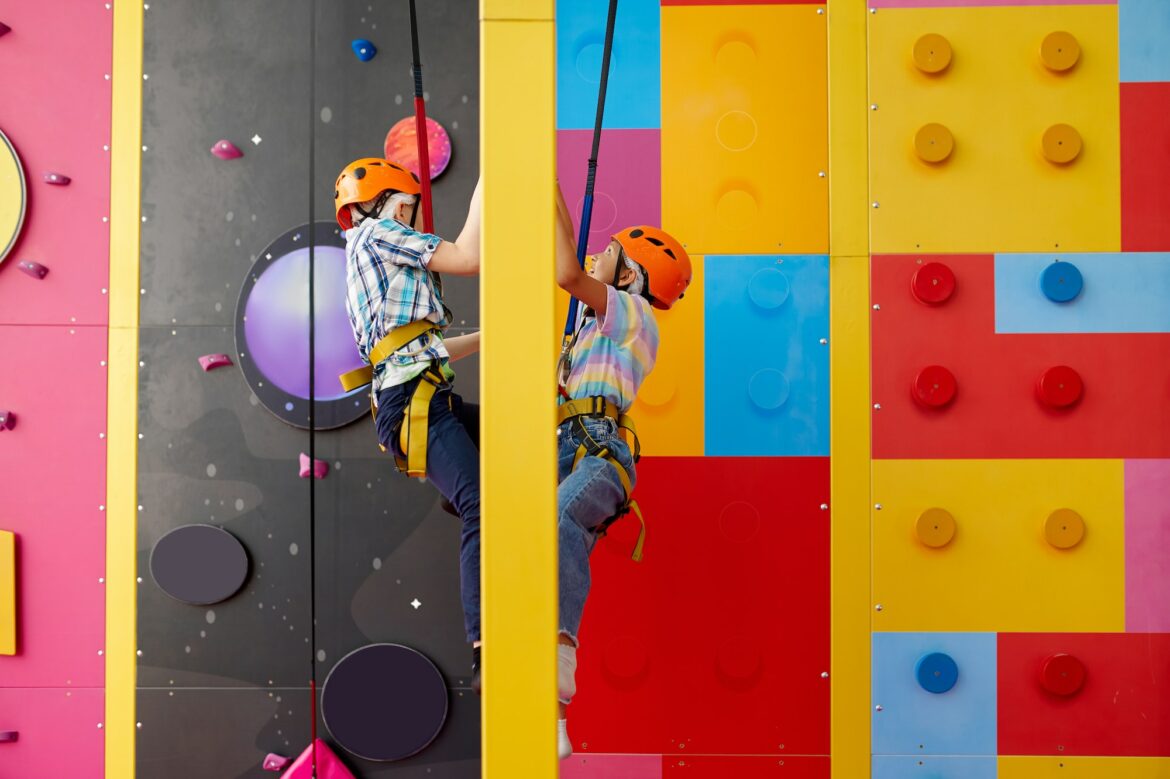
1059,387
328,765
934,386
34,269
933,142
1062,674
363,49
199,564
932,53
1061,144
226,150
4,29
935,527
1064,528
1061,282
275,762
384,702
933,283
58,179
768,288
768,389
212,361
7,420
317,469
7,736
936,672
1059,51
401,145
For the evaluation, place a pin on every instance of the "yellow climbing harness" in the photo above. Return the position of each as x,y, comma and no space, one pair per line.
416,417
597,406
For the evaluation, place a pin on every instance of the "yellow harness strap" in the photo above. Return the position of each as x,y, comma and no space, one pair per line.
598,406
413,437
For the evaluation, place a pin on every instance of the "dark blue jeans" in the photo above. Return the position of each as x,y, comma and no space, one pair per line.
452,466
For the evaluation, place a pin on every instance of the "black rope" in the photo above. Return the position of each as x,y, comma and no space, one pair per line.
312,382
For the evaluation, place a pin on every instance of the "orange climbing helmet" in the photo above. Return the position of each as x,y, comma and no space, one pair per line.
667,266
365,179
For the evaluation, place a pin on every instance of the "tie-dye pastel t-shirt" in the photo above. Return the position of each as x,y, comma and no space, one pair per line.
614,353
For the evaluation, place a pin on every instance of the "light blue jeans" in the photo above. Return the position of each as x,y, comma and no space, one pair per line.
586,497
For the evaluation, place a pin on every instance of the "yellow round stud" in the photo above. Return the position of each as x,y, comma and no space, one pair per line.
1059,51
932,53
1062,144
933,142
935,527
1064,528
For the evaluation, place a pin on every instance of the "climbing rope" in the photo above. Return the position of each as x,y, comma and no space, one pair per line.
420,127
587,205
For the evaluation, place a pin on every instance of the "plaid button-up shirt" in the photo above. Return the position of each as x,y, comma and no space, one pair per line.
387,286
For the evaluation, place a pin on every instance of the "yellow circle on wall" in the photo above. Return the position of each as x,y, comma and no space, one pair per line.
935,527
934,142
932,53
13,196
1064,528
1059,51
1061,143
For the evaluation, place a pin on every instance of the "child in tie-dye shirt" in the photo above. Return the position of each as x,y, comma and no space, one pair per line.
612,353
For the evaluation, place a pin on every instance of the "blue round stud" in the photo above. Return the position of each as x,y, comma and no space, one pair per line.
1061,282
768,389
936,672
363,49
768,288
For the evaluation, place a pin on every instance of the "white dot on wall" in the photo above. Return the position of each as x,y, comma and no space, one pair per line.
210,617
293,548
203,634
455,125
239,504
230,215
465,98
320,655
398,100
187,649
377,564
326,114
211,470
219,306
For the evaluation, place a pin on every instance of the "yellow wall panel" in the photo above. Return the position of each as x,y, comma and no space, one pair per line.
669,409
7,593
1084,768
745,128
996,192
998,573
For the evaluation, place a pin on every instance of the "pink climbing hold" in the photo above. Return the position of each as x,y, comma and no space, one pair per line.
57,179
275,762
213,361
9,735
316,469
329,766
34,269
226,150
4,29
7,420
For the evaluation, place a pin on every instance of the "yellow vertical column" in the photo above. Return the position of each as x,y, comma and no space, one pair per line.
519,342
850,383
122,399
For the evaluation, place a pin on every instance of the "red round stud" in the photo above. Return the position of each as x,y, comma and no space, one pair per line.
933,283
1062,674
934,386
1059,387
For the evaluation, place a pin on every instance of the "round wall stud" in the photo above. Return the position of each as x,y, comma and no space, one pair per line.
1059,51
199,564
933,142
936,672
384,702
932,53
933,283
1062,674
1061,282
1064,528
934,386
935,527
1061,143
1060,387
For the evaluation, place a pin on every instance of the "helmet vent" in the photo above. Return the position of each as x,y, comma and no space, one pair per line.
668,251
636,233
654,241
359,173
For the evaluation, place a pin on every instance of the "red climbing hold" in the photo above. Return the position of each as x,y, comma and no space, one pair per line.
212,361
57,179
1062,674
933,283
4,29
34,269
275,762
934,386
226,150
328,765
1060,387
7,420
316,469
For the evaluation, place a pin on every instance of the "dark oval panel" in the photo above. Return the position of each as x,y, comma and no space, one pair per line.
199,564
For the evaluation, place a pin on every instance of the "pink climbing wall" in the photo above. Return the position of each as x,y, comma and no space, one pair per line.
55,108
1147,546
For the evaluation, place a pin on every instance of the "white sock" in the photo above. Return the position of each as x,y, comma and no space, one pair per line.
566,673
564,746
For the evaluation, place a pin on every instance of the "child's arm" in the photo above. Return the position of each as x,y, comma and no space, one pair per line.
461,258
460,346
570,277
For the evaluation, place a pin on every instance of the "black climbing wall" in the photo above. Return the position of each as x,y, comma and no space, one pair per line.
220,686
